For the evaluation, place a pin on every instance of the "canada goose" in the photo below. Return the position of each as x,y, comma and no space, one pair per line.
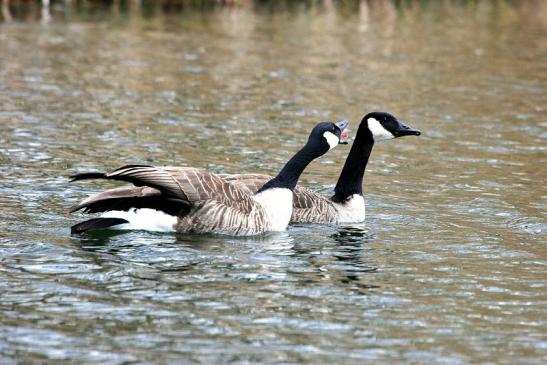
186,199
347,205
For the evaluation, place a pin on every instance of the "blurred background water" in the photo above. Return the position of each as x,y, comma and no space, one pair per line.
450,267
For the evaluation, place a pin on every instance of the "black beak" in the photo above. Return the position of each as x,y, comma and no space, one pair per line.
404,130
342,125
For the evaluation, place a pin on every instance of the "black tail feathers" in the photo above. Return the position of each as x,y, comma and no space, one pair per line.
87,176
96,223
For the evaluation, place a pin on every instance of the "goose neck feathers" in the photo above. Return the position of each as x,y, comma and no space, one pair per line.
350,181
323,138
375,126
289,175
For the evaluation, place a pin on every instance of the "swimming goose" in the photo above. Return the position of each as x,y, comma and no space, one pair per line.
347,205
186,199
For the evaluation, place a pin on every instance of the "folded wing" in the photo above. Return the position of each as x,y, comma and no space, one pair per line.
173,190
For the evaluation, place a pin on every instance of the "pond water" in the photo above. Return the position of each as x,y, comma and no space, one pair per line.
449,268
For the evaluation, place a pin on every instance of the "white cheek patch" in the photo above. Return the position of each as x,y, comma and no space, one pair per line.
332,140
379,133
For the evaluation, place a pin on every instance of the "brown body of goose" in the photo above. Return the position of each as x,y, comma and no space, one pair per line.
186,199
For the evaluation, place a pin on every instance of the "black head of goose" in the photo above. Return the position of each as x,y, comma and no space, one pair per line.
186,199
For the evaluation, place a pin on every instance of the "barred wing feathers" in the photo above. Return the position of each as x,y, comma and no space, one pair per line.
129,197
311,207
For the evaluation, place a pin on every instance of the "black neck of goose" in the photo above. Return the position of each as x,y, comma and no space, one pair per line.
289,175
351,178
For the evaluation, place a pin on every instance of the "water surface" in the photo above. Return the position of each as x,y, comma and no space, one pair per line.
449,267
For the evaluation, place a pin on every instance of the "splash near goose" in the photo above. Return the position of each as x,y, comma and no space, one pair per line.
347,205
191,200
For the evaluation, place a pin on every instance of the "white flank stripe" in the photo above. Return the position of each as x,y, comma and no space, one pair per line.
379,133
143,219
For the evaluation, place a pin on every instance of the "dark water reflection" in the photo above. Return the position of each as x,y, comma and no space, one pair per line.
449,268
